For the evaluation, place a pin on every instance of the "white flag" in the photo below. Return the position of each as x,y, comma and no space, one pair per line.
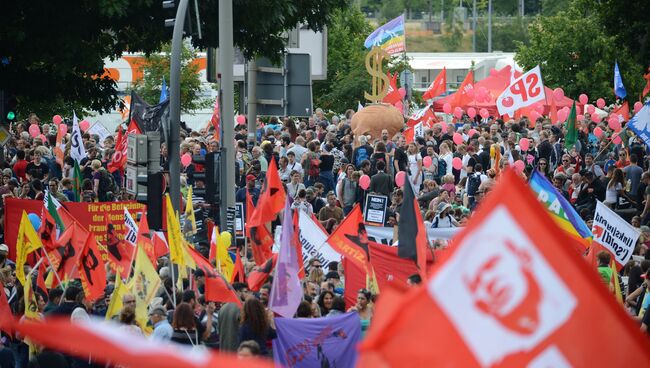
314,241
77,150
131,227
614,233
523,91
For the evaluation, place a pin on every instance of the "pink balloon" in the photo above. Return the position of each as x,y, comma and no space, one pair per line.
446,108
364,182
443,127
400,179
596,118
484,113
56,119
600,103
427,161
580,117
458,139
637,106
84,125
598,132
186,160
42,137
583,98
558,94
562,115
472,132
519,166
63,128
591,109
34,130
402,92
457,163
614,124
578,110
524,144
458,112
617,140
241,119
471,112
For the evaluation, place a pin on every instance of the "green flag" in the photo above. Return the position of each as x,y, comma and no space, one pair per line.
52,210
571,128
76,180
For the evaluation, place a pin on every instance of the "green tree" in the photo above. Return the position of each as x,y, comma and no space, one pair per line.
391,9
576,54
53,51
506,35
453,36
346,72
156,66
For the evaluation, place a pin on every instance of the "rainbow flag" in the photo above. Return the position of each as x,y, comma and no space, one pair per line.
390,37
560,209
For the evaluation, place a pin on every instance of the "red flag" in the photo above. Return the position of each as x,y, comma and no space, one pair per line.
48,230
144,238
355,280
108,343
271,199
260,274
202,263
393,95
409,135
239,274
508,293
92,270
553,112
218,290
389,267
67,254
40,278
437,87
623,112
160,246
119,157
260,237
461,98
6,316
133,128
350,239
120,253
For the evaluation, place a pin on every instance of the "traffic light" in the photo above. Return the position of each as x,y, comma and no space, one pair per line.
192,24
143,176
210,191
9,105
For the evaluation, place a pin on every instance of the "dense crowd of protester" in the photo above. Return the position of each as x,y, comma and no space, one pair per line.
322,165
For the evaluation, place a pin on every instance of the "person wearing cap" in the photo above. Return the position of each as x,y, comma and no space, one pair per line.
250,188
162,330
443,218
4,260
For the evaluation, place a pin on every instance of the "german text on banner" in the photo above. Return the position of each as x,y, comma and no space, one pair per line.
614,233
390,37
317,342
314,241
523,91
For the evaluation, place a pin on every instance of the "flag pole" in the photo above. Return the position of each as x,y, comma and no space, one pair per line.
171,269
53,271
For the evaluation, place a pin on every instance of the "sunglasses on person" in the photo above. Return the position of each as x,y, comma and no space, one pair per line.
317,266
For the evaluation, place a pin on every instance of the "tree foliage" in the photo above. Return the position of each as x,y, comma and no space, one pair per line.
346,72
55,50
506,35
576,54
156,66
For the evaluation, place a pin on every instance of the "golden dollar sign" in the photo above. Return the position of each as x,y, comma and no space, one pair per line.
380,80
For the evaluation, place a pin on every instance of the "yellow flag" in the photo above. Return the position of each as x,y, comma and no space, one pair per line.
174,234
143,286
617,285
26,242
190,219
224,262
115,306
31,309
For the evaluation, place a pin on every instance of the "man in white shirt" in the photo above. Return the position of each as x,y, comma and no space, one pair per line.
298,148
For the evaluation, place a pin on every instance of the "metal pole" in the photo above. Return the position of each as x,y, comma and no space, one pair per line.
173,145
489,26
226,59
252,101
474,27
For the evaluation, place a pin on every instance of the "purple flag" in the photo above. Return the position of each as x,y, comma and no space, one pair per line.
286,292
317,342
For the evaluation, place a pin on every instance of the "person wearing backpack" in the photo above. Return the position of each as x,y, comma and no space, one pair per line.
311,164
363,152
474,180
103,183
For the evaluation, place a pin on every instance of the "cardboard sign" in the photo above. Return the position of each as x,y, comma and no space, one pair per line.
375,209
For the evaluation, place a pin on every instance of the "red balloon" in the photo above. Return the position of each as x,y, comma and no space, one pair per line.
562,115
34,130
598,132
596,118
42,138
443,127
427,161
524,144
241,119
400,179
471,112
56,119
580,117
484,113
583,98
446,108
364,182
457,163
458,112
614,124
520,166
617,140
558,94
458,139
591,109
472,132
637,106
402,92
84,125
186,160
600,103
63,128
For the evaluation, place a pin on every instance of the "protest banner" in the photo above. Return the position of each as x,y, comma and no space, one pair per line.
100,130
384,235
239,220
317,342
390,37
523,91
314,241
91,216
375,209
614,234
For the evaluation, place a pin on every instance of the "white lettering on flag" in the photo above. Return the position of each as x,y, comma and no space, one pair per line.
614,233
523,91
